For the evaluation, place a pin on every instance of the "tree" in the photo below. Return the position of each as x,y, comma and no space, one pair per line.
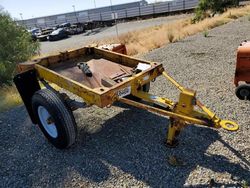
16,46
211,7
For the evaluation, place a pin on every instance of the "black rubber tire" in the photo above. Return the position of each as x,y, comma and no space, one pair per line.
243,92
60,113
145,88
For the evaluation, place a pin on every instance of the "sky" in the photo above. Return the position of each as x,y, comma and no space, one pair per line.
38,8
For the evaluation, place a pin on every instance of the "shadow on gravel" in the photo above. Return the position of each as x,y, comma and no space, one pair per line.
94,31
131,142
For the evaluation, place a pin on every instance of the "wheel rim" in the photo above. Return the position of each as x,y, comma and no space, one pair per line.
244,93
47,122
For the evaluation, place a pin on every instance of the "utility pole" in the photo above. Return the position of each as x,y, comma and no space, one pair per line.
115,17
75,12
21,15
95,3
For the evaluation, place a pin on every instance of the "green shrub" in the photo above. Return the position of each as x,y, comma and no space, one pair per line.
16,46
205,33
245,184
208,8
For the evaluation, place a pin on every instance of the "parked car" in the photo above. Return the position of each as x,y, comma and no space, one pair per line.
57,35
76,29
55,27
64,25
34,32
43,35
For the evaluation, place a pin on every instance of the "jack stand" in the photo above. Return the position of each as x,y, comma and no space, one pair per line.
174,130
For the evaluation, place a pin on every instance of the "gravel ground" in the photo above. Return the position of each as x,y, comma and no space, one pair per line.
124,147
77,41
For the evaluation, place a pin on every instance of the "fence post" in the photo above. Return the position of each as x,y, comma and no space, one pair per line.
139,10
153,10
183,4
126,13
88,17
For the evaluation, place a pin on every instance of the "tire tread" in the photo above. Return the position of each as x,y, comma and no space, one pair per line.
55,102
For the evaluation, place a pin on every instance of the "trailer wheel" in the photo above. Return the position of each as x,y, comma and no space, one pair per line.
54,118
243,92
144,88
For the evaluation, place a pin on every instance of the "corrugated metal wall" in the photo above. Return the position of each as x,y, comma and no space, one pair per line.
129,10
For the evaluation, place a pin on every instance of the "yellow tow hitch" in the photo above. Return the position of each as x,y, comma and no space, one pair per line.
185,106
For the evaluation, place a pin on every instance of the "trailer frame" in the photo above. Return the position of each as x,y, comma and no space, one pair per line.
181,113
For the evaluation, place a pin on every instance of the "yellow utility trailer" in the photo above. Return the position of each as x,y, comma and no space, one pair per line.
101,77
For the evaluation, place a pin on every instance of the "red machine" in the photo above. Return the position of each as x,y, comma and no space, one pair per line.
242,73
118,48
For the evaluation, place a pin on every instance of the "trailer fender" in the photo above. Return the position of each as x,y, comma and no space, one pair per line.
27,84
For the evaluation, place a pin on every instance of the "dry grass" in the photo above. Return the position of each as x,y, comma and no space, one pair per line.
9,98
145,40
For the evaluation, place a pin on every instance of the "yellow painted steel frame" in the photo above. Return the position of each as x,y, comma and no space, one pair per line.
101,96
180,113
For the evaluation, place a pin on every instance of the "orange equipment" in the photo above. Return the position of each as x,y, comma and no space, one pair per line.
118,48
242,73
